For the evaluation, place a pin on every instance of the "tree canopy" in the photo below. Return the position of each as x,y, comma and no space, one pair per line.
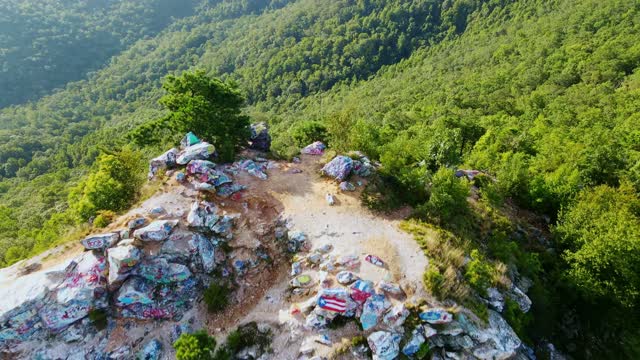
197,102
542,96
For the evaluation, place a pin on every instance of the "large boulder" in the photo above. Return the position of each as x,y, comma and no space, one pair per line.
199,151
135,291
384,345
260,138
121,260
372,310
161,271
202,215
339,168
521,298
145,299
164,161
83,289
100,241
151,351
20,324
497,342
436,316
495,299
158,230
317,148
207,253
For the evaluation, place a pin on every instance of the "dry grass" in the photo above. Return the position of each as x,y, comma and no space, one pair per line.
446,260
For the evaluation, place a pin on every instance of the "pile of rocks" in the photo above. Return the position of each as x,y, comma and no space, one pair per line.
326,287
153,269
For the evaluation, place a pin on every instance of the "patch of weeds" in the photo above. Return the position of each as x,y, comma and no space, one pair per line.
383,193
98,318
433,280
479,273
478,308
359,340
196,346
104,218
518,319
423,352
329,154
243,337
216,296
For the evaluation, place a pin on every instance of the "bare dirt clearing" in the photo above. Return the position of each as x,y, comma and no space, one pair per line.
262,293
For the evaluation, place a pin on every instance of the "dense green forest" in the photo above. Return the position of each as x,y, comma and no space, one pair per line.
45,44
542,96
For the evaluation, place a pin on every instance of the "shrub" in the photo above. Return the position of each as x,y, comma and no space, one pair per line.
306,132
197,102
479,273
104,218
216,297
423,351
358,340
243,337
433,280
196,346
600,233
516,318
112,185
383,193
99,318
448,196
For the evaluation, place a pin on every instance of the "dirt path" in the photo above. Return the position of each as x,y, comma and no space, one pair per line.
349,228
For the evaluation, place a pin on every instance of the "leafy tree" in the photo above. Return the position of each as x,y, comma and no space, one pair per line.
206,106
196,346
306,132
601,235
448,196
112,186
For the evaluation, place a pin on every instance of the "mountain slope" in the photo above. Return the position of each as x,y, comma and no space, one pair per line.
56,139
46,44
542,96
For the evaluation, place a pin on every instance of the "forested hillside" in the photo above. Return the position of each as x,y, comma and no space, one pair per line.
542,96
55,140
45,44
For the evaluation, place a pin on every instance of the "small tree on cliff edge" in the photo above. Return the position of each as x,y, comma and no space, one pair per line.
204,105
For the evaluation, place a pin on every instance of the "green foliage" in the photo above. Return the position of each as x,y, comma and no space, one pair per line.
423,351
433,280
601,235
516,318
104,218
98,318
196,346
47,43
541,95
112,186
479,273
384,193
216,296
448,196
358,340
203,104
306,132
244,336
